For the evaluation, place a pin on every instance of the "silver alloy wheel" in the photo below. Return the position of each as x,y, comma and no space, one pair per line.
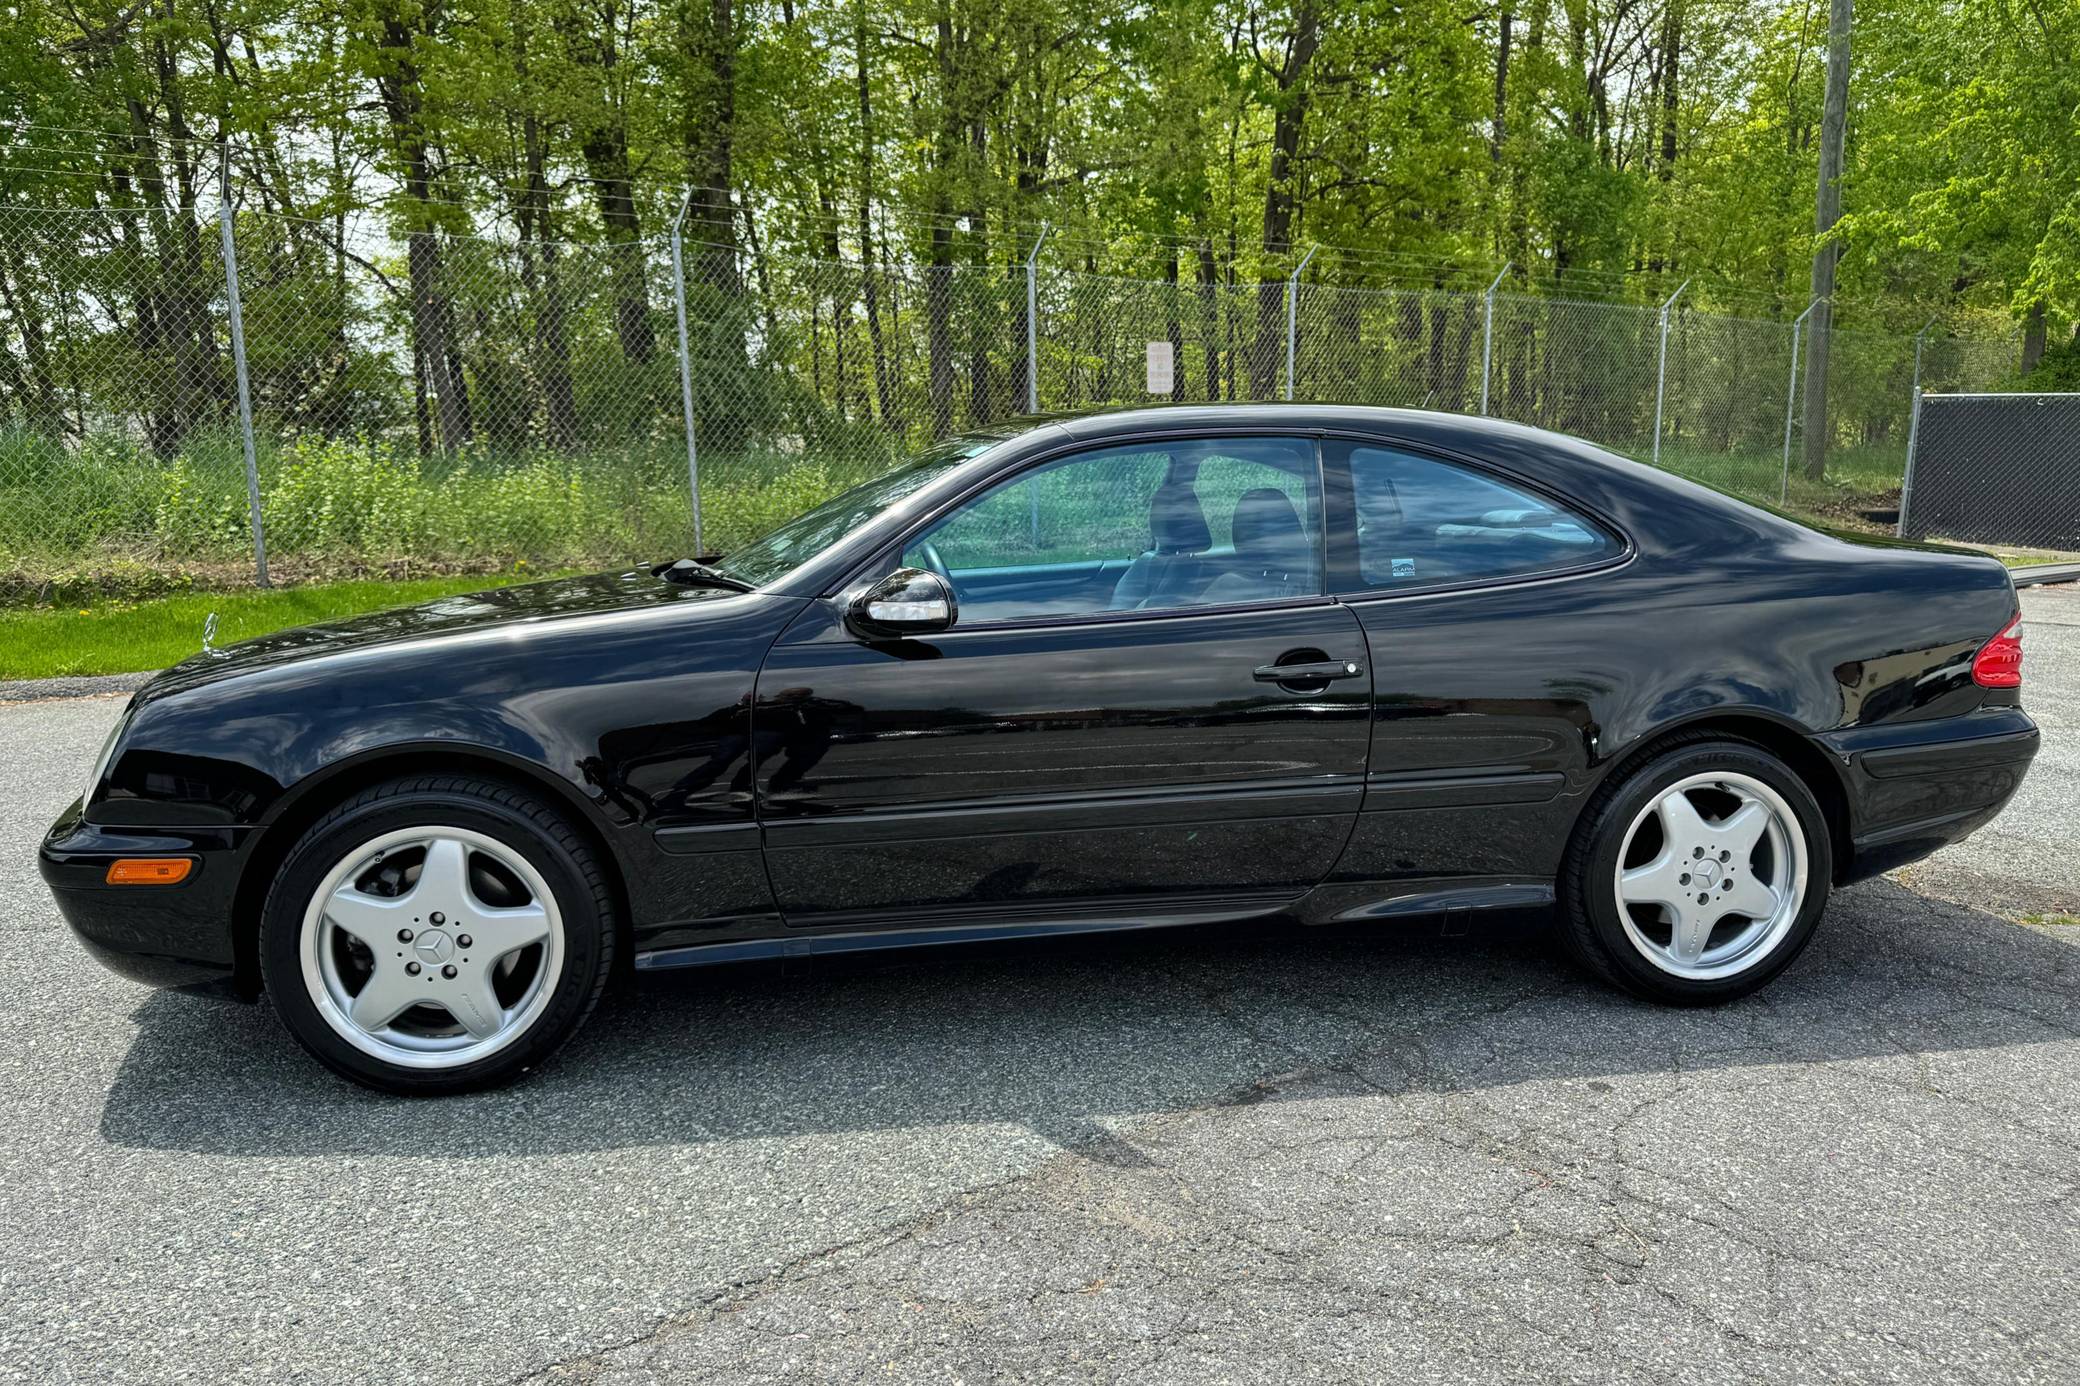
1718,862
431,976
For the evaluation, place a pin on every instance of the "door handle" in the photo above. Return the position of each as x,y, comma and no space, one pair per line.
1320,671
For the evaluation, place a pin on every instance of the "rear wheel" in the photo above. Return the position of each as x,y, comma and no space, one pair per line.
436,934
1698,876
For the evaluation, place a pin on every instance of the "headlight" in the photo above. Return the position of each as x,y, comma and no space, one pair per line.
108,750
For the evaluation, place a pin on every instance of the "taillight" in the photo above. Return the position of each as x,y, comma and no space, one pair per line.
1999,661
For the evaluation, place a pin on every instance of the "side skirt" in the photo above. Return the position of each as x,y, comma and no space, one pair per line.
972,930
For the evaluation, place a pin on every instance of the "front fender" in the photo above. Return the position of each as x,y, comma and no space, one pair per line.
640,720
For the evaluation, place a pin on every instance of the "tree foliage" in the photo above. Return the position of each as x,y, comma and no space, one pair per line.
1597,143
488,180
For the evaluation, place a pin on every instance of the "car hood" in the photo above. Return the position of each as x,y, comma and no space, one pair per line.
557,599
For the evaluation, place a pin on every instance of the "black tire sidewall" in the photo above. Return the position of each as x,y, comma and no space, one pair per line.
1596,901
327,842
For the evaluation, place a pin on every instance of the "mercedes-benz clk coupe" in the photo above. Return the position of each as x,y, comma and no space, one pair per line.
1299,664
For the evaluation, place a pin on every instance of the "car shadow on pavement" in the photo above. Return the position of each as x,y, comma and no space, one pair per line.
1067,1036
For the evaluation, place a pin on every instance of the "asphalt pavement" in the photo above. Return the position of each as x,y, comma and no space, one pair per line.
1250,1155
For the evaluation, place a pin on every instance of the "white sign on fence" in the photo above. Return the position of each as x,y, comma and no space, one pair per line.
1162,368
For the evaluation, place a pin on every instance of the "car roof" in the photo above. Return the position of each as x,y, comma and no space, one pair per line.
1658,511
1569,466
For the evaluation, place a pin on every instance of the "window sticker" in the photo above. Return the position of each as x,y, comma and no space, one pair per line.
1404,567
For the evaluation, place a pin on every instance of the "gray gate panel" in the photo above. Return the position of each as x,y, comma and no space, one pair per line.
1996,469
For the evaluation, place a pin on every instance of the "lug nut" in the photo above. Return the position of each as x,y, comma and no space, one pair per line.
1685,880
439,918
404,935
1694,851
449,972
1703,899
411,969
463,940
1726,856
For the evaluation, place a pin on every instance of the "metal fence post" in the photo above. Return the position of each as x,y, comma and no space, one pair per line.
1293,315
1661,371
238,364
1906,489
1488,334
1906,485
1791,403
693,465
1033,327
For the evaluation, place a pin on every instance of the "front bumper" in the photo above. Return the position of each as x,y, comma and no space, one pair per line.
164,936
1914,787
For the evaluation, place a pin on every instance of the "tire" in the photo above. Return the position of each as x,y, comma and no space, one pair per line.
437,934
1665,883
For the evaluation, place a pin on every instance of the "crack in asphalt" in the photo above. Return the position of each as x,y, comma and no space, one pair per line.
1636,1200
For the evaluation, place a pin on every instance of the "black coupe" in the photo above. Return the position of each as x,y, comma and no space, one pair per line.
1297,663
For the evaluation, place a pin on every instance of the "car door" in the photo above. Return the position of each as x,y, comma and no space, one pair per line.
1146,706
1481,599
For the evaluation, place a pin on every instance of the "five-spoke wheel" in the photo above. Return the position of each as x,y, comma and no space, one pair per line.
1698,874
436,934
1712,870
410,961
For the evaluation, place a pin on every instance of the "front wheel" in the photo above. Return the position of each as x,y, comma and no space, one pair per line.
1699,875
436,935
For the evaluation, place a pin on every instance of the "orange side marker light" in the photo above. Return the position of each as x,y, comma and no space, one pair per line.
149,870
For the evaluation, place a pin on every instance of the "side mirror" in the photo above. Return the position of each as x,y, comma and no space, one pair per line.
908,602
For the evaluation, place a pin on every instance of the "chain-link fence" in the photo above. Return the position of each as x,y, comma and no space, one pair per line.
426,400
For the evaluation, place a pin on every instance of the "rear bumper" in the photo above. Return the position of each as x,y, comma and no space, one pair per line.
1914,787
176,936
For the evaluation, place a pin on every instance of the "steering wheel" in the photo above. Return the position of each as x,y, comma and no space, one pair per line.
929,552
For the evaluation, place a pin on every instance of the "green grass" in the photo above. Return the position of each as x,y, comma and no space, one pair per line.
105,518
125,637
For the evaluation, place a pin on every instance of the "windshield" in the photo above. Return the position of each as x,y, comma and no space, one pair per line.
801,539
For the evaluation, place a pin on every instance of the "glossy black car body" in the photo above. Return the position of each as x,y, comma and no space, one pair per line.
769,782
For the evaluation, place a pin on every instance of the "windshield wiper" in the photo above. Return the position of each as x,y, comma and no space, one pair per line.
688,573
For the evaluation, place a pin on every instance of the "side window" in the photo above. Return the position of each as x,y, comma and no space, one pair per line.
1146,526
1421,522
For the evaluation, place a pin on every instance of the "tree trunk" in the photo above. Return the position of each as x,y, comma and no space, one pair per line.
594,41
938,289
613,192
938,328
884,391
2033,334
31,383
1498,125
1671,89
1827,209
1032,156
1171,278
544,276
715,292
1281,197
982,318
402,98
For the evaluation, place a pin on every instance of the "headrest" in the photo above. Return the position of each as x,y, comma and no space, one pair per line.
1267,529
1176,524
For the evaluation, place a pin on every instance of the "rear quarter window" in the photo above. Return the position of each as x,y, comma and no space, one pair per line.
1421,522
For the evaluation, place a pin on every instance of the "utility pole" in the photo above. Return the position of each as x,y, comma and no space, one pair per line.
1827,210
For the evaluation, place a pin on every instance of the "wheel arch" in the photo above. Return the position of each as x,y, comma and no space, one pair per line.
1781,738
308,801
